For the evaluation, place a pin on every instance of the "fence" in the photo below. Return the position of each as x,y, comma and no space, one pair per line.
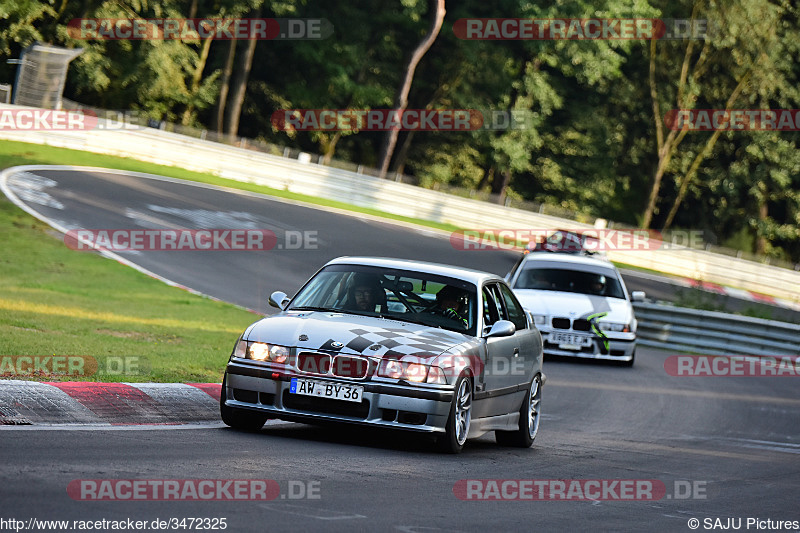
710,332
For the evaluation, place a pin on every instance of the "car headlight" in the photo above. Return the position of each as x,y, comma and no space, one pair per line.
261,351
415,372
614,326
540,320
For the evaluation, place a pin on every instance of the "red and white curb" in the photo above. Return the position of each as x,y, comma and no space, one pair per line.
107,404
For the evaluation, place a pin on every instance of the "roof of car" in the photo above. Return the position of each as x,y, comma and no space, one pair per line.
467,274
579,259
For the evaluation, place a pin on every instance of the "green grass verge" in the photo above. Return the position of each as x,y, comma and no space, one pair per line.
127,326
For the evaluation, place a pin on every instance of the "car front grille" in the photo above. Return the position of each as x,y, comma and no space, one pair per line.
313,362
350,367
579,324
561,323
343,366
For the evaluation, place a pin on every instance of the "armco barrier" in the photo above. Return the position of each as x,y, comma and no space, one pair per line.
166,148
710,332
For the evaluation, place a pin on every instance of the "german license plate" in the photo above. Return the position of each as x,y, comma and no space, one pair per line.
570,341
325,389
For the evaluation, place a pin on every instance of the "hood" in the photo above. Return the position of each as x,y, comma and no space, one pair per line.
360,335
573,305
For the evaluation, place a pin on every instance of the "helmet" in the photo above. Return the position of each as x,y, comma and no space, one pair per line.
449,292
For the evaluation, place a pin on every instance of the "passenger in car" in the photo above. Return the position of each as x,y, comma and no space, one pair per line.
536,280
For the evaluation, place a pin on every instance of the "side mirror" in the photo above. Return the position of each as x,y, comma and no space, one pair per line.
501,328
638,296
278,299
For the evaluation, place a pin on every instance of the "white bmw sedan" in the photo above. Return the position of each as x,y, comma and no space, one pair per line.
579,303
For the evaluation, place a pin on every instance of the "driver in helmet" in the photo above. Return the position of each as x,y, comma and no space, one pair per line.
598,285
450,304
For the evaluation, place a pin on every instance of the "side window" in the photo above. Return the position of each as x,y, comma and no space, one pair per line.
514,309
490,314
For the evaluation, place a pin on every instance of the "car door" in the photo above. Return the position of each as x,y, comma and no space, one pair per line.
501,357
529,339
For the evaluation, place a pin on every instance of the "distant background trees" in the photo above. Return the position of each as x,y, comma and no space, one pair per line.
595,142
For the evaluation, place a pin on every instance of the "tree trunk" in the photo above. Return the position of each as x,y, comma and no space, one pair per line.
666,147
330,148
405,146
761,241
705,152
488,176
196,78
401,102
217,120
402,154
500,185
239,89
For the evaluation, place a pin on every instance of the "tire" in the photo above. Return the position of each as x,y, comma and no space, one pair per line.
236,418
458,422
529,415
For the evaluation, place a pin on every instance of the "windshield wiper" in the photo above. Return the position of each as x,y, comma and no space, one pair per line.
312,308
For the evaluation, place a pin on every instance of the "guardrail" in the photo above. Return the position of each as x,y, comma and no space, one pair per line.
156,146
713,333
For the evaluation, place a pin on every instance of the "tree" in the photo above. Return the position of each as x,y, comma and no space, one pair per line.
401,102
742,60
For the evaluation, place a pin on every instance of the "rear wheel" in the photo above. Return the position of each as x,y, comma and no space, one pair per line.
458,422
238,418
529,415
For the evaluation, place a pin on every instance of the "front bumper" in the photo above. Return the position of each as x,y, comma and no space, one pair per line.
620,348
391,405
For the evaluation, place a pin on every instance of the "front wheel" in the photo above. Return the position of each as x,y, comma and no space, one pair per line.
458,421
529,415
238,418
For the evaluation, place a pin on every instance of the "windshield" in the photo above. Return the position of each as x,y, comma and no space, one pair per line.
566,280
405,295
